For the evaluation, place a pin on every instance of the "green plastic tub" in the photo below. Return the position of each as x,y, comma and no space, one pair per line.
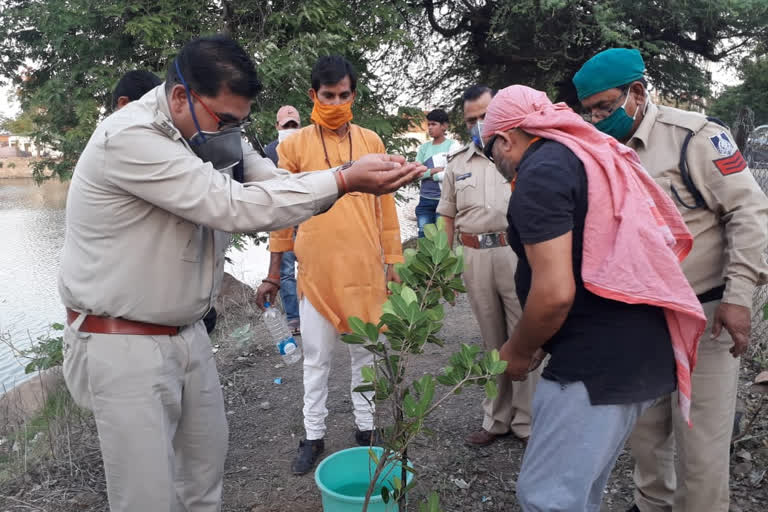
343,480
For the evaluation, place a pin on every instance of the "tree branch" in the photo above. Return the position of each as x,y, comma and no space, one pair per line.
462,26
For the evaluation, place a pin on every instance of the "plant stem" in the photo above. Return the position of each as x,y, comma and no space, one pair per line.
402,503
445,397
375,478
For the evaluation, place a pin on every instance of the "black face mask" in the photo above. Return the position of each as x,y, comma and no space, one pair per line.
222,148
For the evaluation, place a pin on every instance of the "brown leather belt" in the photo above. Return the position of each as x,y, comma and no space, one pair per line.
484,240
108,325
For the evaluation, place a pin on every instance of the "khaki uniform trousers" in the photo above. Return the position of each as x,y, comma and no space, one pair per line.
699,481
160,416
489,276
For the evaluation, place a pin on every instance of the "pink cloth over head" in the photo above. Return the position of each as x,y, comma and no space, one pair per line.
634,237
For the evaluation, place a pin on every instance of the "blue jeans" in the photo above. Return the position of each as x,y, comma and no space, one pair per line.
288,286
426,213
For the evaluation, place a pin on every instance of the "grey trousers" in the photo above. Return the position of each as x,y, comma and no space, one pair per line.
160,416
573,448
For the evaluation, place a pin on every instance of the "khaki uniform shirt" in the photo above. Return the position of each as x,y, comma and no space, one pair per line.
148,222
731,232
474,193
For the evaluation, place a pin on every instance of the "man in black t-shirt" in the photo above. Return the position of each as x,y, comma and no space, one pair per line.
609,360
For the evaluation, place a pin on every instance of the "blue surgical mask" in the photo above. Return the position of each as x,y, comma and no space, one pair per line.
222,148
618,124
476,134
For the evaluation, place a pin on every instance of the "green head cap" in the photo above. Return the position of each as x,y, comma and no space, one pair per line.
608,69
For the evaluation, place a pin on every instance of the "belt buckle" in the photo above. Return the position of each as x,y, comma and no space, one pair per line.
488,240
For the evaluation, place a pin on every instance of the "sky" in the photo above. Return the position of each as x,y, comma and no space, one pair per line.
8,108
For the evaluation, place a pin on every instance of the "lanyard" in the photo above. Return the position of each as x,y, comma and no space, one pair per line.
325,150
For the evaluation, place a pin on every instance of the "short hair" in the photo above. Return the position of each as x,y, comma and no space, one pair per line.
642,80
438,115
134,85
331,70
210,63
475,91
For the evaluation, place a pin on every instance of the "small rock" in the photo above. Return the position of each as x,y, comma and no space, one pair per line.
230,413
756,476
241,358
280,365
265,406
460,483
744,455
742,469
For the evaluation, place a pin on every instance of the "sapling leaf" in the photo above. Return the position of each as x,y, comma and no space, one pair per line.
357,326
430,231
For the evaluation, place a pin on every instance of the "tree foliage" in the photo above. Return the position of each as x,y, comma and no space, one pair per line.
542,43
752,93
66,57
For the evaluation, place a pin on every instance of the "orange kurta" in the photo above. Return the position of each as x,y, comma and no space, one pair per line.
342,252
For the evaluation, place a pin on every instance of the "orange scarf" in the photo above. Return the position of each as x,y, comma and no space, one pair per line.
332,117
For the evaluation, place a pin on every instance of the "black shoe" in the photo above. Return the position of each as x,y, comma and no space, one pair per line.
307,456
363,437
633,509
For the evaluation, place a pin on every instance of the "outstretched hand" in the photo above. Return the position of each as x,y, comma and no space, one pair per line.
380,174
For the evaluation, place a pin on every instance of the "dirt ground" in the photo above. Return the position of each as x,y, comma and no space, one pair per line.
265,423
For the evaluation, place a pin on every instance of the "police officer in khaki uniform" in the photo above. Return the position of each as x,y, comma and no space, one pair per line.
474,202
696,161
147,225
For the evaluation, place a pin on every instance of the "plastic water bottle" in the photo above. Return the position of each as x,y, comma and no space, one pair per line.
281,336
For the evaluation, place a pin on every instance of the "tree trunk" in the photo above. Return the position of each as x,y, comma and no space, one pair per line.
743,127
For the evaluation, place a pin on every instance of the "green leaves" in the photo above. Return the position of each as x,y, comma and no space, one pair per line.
412,317
368,373
47,352
432,504
490,389
408,295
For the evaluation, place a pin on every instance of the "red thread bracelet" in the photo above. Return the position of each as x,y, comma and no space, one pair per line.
344,188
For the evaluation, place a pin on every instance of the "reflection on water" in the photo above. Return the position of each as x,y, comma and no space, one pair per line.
31,236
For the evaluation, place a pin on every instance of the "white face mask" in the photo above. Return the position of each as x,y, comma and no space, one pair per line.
284,134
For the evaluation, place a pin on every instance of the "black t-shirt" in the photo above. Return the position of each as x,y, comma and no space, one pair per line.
621,352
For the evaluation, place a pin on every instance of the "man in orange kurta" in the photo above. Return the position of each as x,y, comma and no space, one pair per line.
345,255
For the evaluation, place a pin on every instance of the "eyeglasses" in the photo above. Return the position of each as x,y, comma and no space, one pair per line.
488,149
222,124
602,113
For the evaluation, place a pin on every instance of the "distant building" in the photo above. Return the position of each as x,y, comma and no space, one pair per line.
26,147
